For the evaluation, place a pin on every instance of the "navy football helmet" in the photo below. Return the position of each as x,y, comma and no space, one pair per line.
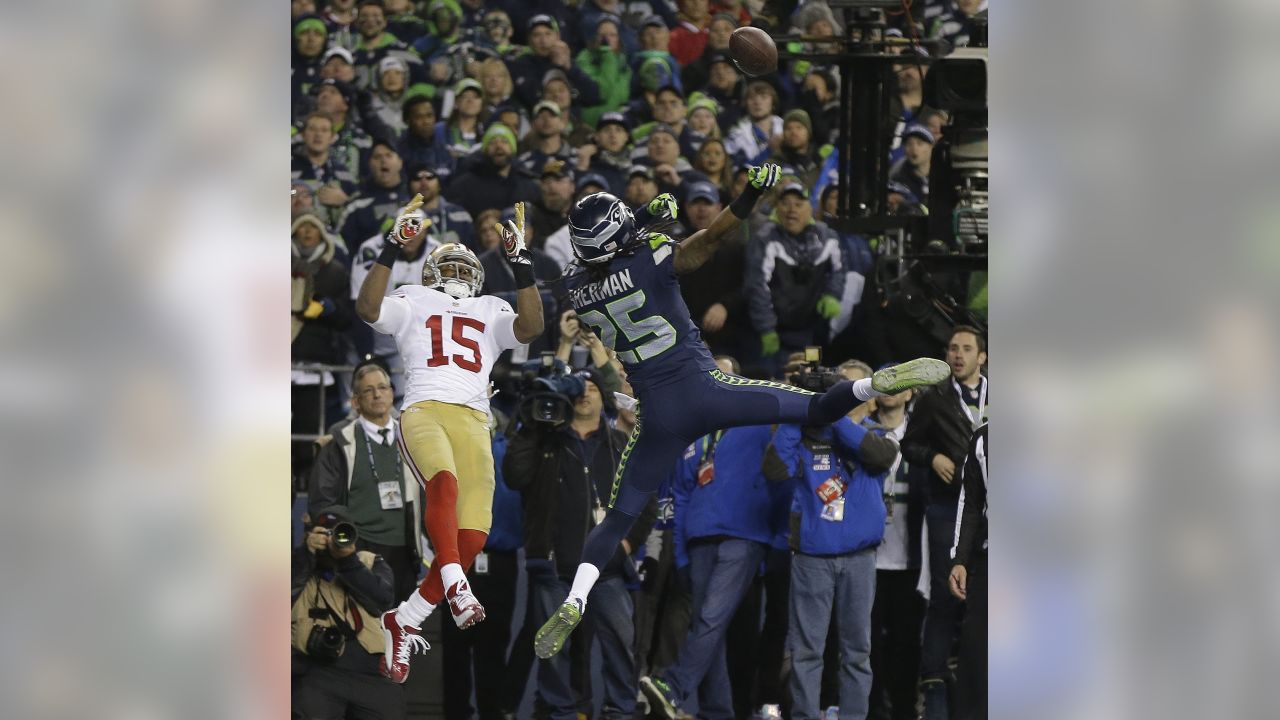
600,225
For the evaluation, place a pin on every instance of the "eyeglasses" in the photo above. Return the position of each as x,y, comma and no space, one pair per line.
374,390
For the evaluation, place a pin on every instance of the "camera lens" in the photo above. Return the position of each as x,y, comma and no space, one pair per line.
344,534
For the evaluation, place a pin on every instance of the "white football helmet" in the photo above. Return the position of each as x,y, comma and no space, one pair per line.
466,276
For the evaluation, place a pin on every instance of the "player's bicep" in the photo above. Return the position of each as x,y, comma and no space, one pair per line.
393,313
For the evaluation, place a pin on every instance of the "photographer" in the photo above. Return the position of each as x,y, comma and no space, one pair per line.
837,522
338,593
572,336
563,459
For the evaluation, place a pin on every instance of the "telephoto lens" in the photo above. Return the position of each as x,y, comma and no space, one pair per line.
344,535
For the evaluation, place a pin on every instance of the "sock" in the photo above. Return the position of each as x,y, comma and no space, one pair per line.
442,517
415,610
583,581
863,391
451,574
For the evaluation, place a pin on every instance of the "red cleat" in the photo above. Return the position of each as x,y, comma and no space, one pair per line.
466,609
400,641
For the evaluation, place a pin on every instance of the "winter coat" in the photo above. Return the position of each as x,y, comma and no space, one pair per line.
318,276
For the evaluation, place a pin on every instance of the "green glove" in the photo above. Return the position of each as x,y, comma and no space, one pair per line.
769,342
763,177
664,206
828,306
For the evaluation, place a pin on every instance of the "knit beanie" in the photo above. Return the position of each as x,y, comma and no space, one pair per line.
801,117
498,130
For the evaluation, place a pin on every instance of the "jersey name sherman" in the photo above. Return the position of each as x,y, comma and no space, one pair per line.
608,287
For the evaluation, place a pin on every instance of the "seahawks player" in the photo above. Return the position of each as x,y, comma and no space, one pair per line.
623,284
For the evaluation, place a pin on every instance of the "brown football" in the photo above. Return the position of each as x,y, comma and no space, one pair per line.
754,51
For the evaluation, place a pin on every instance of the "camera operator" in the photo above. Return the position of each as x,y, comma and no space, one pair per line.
837,522
564,463
338,594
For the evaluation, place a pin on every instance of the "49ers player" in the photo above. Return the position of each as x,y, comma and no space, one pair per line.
448,339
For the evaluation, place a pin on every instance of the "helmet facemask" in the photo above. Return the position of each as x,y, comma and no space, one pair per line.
453,270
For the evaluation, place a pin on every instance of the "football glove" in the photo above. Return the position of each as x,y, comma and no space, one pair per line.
409,223
513,246
664,206
763,177
828,306
770,342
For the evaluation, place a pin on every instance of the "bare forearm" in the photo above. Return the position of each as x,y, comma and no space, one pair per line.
529,323
372,290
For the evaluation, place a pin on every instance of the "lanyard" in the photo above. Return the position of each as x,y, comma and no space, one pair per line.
368,448
982,401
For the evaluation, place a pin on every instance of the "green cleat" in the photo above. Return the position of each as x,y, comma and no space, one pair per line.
913,373
551,636
661,697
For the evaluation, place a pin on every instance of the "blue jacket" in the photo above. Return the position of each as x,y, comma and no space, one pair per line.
507,532
853,455
738,502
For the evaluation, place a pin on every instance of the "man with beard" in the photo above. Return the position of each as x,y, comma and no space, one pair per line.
546,141
552,212
381,196
490,181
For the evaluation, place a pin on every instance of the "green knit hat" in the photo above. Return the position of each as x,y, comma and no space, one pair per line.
498,130
311,23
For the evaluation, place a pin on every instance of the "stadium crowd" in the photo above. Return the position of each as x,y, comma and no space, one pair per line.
744,587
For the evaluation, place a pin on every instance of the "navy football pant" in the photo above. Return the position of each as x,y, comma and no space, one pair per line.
672,416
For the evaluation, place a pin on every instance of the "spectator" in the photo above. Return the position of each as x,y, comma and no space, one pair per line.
406,270
494,576
702,126
668,109
565,475
314,164
759,134
551,212
321,313
558,246
301,200
338,593
838,519
298,8
548,51
523,13
725,86
912,171
697,73
689,38
794,275
403,22
934,121
487,237
937,438
555,88
497,35
545,142
388,99
653,62
338,63
310,35
663,151
898,613
797,154
450,223
713,292
909,101
444,18
495,86
713,162
642,186
957,25
609,155
723,509
352,145
820,98
461,133
374,43
381,196
420,147
490,182
592,13
605,62
339,16
968,580
362,470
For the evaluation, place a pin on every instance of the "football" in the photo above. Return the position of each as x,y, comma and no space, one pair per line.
754,51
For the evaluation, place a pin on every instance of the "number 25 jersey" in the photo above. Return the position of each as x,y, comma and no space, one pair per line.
448,346
634,305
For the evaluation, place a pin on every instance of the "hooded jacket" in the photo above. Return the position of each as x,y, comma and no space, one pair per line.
787,274
318,276
365,213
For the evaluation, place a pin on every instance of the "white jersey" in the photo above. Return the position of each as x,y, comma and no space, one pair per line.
403,272
448,346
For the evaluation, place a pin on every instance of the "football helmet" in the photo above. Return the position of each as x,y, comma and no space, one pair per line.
600,225
466,276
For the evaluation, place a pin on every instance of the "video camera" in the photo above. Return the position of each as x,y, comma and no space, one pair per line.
811,375
547,392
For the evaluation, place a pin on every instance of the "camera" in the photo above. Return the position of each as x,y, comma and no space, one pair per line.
811,375
547,392
344,535
325,643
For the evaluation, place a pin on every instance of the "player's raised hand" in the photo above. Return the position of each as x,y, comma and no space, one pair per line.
763,177
664,206
409,222
514,247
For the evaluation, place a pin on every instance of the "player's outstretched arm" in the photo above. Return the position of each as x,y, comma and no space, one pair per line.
529,324
699,247
409,223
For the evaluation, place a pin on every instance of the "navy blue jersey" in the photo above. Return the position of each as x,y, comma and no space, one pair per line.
633,304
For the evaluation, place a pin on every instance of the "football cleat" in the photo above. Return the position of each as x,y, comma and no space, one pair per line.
399,642
661,697
466,609
913,373
552,635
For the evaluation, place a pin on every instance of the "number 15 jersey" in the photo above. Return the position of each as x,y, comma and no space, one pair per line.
634,304
448,345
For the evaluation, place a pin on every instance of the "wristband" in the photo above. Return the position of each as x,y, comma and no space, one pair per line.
742,205
523,274
390,253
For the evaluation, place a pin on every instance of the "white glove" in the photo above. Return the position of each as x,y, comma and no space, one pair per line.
409,223
512,235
